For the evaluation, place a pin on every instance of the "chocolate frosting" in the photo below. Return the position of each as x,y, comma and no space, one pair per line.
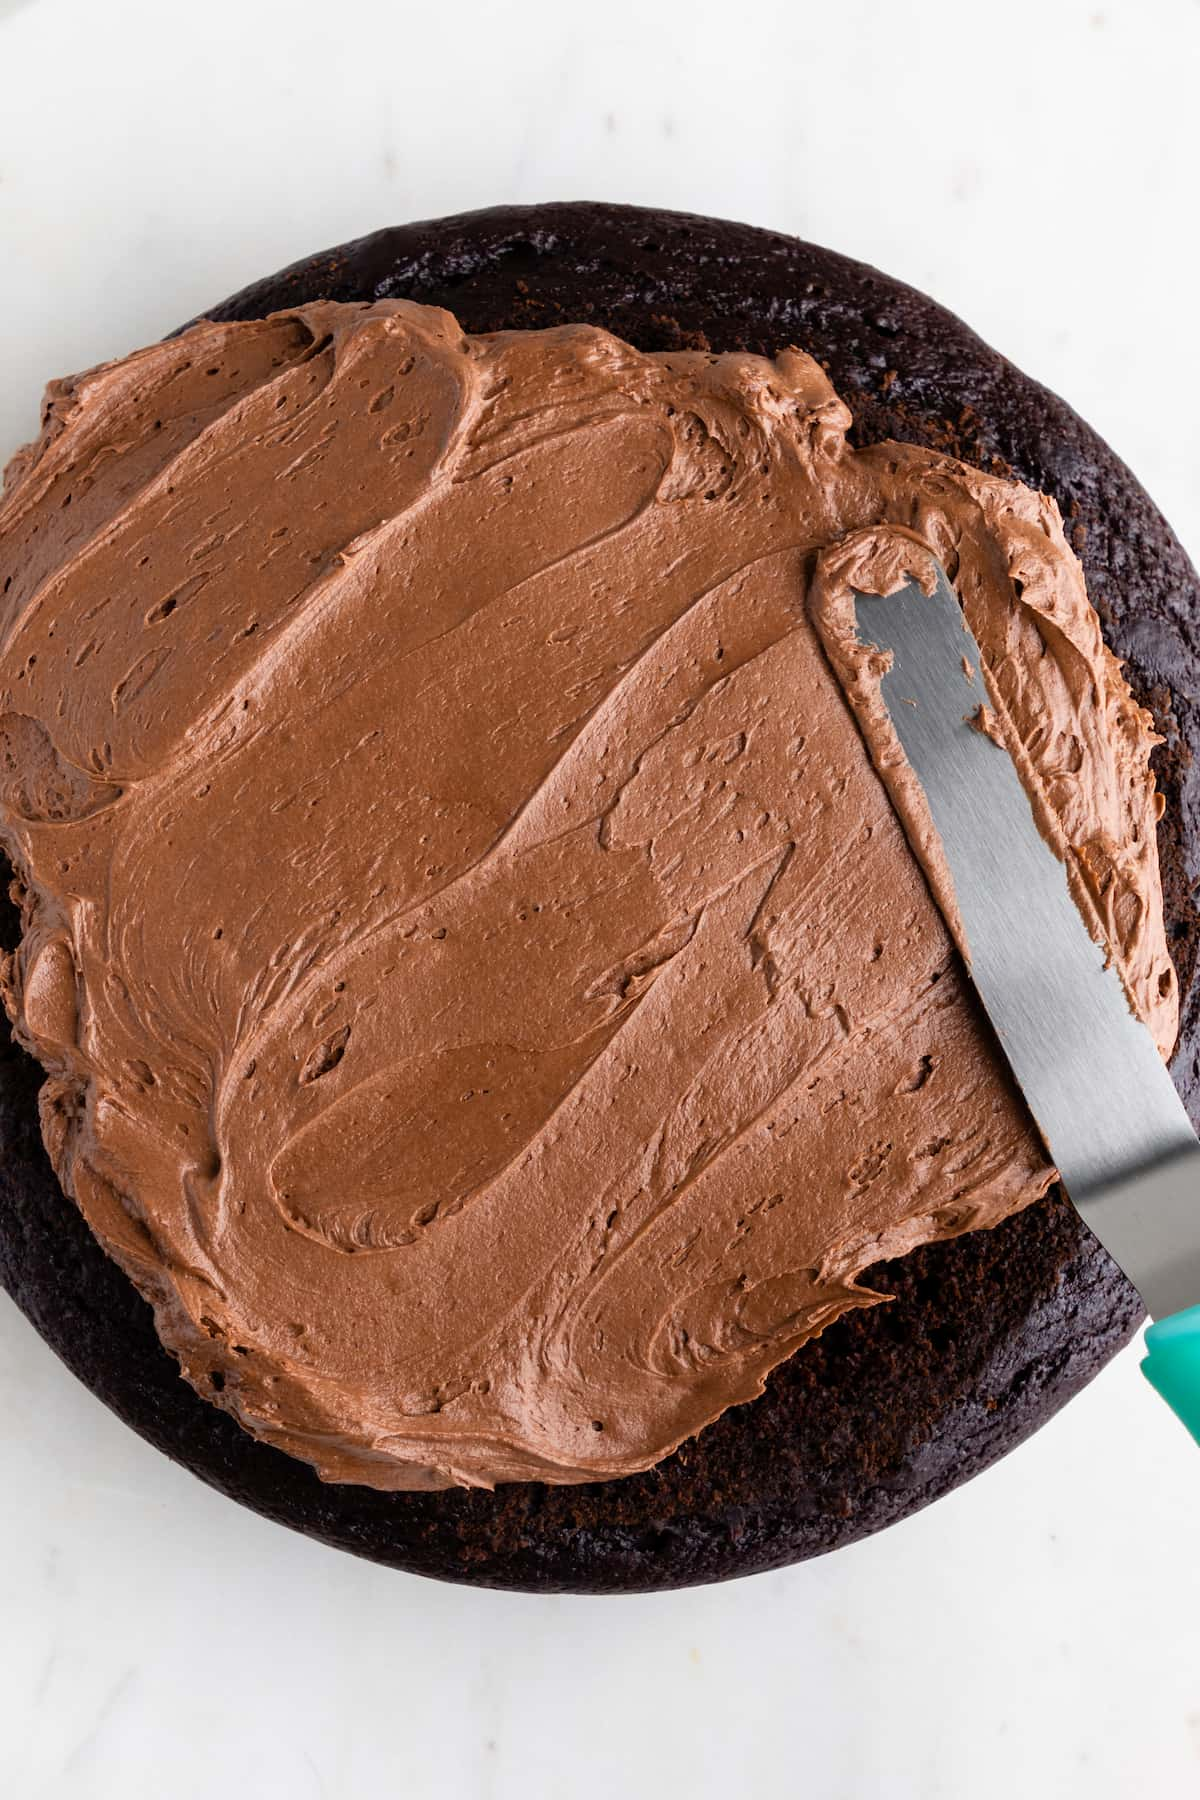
488,1000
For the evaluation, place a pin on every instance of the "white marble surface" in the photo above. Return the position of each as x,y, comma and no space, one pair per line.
1033,165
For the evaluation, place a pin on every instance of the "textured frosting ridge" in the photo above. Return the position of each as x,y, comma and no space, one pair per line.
488,1000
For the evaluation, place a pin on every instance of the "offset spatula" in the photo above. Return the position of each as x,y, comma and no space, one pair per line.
1089,1069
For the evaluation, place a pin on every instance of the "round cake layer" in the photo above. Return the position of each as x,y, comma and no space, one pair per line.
887,1410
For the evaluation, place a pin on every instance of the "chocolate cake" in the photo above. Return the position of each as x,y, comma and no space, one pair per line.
578,1048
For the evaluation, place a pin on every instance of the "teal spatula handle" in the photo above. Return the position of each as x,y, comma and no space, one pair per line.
1173,1364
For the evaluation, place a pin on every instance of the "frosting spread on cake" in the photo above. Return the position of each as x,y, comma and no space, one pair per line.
489,1004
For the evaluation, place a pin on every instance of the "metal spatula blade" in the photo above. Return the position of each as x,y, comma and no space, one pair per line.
1089,1069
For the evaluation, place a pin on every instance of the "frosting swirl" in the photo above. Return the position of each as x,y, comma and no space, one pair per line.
488,1002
